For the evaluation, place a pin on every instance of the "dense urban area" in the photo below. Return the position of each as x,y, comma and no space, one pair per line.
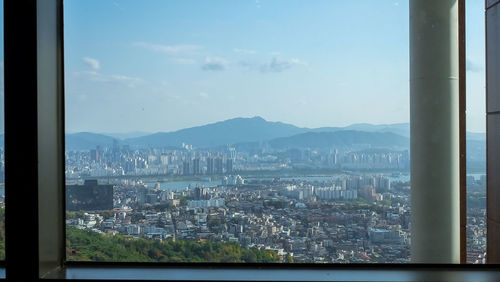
348,205
335,198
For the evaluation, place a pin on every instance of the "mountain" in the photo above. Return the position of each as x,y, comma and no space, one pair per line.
402,129
126,135
87,140
342,138
476,155
230,131
245,132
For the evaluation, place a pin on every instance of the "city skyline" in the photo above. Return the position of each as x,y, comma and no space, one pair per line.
163,66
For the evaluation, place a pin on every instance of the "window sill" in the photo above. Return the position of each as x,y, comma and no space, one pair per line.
396,273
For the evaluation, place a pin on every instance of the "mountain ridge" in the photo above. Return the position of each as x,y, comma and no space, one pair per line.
232,131
342,138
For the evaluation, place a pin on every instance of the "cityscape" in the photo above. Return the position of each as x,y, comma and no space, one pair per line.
342,201
249,131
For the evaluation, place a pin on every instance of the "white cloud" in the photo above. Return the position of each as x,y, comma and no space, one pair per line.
91,75
279,65
276,64
473,66
93,63
117,78
128,80
204,95
244,51
117,6
214,64
169,49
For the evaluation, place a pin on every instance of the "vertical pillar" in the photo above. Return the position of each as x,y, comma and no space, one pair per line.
34,139
21,148
434,123
50,118
493,130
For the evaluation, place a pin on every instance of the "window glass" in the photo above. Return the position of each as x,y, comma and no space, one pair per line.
476,132
247,131
2,148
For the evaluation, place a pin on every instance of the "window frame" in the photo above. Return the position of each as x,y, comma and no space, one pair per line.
33,43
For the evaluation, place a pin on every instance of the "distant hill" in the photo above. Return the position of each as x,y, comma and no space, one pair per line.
85,245
87,140
126,135
245,132
341,139
476,155
250,130
230,131
402,129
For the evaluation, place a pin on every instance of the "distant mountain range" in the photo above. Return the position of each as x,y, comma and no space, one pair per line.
132,134
87,141
402,129
220,133
249,132
344,138
254,130
257,130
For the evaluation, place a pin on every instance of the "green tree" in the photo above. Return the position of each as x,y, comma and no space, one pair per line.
90,246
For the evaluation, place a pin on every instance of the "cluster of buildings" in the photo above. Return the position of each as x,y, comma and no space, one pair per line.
351,218
188,161
343,188
121,160
476,219
265,214
476,236
372,159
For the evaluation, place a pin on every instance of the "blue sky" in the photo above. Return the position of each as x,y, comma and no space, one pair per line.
161,65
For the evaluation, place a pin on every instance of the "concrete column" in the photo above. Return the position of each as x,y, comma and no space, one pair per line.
434,119
493,130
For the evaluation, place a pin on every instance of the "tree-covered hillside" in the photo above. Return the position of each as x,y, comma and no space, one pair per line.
83,245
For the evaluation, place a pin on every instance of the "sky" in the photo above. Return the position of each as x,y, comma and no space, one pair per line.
161,65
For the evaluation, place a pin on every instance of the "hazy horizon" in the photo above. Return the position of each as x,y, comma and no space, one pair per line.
142,133
247,117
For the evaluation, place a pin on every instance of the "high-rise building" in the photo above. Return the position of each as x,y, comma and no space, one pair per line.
229,165
94,155
210,166
89,197
218,166
196,166
200,193
164,159
383,184
185,168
